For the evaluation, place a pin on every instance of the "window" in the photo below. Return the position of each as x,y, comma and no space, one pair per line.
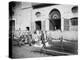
74,9
74,21
38,14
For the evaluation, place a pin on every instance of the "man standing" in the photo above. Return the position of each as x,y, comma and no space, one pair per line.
29,36
43,39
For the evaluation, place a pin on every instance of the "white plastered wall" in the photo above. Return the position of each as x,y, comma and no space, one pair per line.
65,11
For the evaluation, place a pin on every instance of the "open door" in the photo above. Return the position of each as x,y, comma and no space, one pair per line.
12,25
38,25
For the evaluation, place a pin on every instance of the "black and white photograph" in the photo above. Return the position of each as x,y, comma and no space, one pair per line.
42,29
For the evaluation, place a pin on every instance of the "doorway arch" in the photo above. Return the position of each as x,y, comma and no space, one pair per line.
54,20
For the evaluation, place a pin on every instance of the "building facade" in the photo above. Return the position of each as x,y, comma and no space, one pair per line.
48,17
59,16
56,18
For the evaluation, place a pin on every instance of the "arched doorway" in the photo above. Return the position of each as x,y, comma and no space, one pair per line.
54,20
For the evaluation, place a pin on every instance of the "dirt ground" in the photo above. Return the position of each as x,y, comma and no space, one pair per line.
55,49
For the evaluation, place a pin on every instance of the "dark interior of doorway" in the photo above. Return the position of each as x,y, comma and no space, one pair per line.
28,28
38,25
55,24
11,25
55,19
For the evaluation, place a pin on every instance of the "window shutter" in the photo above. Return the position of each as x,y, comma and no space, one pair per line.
66,24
